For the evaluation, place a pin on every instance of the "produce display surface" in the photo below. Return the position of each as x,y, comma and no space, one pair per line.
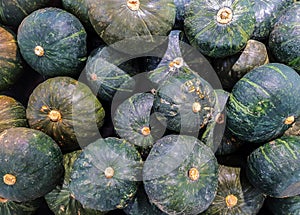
149,107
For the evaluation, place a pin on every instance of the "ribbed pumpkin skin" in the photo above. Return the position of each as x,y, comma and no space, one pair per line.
115,21
211,37
19,208
261,102
274,167
10,59
34,159
99,190
167,180
231,182
287,206
81,112
62,37
284,39
12,113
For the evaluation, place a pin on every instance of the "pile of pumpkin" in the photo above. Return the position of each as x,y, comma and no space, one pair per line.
150,107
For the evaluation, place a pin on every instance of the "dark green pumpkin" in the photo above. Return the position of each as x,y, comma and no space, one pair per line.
180,175
106,175
19,208
31,164
287,206
60,200
53,42
235,194
66,110
12,113
274,167
185,102
284,39
119,20
10,59
219,28
262,104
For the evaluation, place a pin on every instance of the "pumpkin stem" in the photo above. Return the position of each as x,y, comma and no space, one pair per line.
9,179
177,62
39,51
133,4
146,131
231,200
54,115
220,118
109,172
194,174
196,107
289,120
3,200
224,15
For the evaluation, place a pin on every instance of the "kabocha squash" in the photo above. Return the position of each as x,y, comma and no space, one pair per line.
287,206
66,110
126,19
12,113
19,208
284,41
262,105
53,42
274,167
31,164
180,175
185,102
235,194
266,13
60,200
11,67
219,28
106,175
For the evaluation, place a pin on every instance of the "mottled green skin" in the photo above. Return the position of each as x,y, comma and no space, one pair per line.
20,208
34,159
173,103
104,76
61,35
132,116
266,14
92,188
141,205
82,113
10,59
166,180
261,101
232,182
274,167
12,113
284,39
114,21
212,38
12,12
60,200
287,206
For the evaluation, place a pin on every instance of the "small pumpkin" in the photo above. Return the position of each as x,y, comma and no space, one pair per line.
30,159
66,110
53,42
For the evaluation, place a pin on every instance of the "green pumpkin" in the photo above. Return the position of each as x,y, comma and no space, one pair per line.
235,194
180,175
185,102
106,175
262,104
53,42
284,39
10,59
126,19
29,159
19,208
66,110
229,144
60,200
274,167
287,206
12,113
219,28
